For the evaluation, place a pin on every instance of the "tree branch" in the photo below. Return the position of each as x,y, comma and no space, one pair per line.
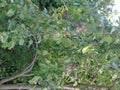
28,87
23,73
19,87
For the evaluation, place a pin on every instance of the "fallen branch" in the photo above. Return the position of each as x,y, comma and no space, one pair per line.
19,87
66,87
28,87
86,86
23,73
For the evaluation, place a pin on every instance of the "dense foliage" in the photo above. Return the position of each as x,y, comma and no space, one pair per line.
48,4
73,41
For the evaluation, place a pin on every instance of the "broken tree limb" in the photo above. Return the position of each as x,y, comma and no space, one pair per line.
23,73
32,87
18,87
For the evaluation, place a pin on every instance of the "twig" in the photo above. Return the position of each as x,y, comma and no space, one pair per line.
25,71
28,75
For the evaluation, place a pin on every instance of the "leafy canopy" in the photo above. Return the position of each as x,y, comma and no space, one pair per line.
72,42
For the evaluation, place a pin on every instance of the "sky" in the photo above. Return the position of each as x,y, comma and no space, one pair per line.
116,8
117,5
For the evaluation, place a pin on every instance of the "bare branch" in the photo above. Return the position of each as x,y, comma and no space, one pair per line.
27,75
28,87
10,78
25,71
28,69
19,87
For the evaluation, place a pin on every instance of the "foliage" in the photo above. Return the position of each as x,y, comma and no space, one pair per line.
48,4
72,43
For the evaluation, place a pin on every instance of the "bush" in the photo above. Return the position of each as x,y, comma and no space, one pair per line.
67,44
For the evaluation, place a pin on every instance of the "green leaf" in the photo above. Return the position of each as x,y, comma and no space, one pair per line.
5,45
44,89
68,60
75,83
86,49
115,66
108,39
4,37
2,5
22,25
11,45
117,41
10,12
66,42
34,80
30,43
45,52
22,16
21,42
39,39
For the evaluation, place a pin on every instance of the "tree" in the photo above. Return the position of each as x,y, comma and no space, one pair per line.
67,44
